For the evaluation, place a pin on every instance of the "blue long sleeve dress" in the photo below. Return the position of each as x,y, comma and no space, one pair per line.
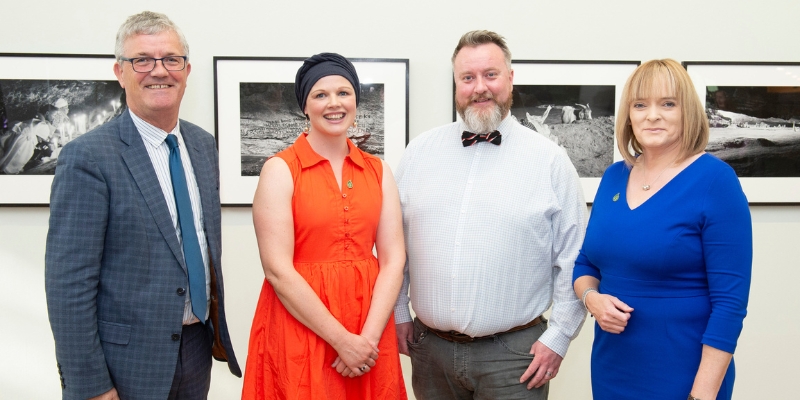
682,260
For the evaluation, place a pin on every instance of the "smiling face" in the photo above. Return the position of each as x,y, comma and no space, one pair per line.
657,120
483,86
154,96
331,105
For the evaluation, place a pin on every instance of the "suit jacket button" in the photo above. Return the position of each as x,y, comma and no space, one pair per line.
176,337
181,291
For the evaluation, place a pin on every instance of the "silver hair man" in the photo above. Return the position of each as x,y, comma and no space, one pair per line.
147,23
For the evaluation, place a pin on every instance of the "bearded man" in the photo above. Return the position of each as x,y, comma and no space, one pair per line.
494,216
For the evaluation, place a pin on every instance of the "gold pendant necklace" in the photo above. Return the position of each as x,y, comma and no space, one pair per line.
646,186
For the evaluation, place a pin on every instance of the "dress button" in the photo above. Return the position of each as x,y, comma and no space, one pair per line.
181,291
176,337
344,195
347,234
346,208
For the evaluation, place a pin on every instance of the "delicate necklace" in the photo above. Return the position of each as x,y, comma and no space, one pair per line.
646,185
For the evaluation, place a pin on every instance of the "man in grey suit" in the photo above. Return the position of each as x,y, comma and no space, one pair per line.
134,228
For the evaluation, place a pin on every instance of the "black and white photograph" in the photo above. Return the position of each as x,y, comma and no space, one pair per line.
46,101
271,121
753,110
755,129
41,116
579,118
257,115
574,104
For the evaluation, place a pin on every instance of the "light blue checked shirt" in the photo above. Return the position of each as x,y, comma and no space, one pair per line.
154,141
492,233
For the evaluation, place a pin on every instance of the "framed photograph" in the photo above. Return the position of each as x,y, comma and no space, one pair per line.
47,100
574,104
754,113
257,115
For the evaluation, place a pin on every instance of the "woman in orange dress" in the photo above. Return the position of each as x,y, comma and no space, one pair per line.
325,311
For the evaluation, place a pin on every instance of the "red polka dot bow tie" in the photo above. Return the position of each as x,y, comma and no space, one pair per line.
469,138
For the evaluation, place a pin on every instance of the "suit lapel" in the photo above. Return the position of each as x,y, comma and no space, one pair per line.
141,168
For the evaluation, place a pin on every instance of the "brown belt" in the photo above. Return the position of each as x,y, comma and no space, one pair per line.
458,337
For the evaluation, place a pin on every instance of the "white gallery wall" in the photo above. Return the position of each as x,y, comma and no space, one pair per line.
424,32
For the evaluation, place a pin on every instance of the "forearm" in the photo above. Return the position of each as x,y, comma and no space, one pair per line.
73,259
387,287
305,305
713,366
402,313
584,283
566,318
568,314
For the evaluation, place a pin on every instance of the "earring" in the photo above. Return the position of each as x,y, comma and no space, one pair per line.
355,124
306,129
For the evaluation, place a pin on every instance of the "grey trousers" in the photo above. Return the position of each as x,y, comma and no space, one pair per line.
193,372
484,369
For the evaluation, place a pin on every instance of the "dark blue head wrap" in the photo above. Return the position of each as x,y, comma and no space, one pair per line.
319,66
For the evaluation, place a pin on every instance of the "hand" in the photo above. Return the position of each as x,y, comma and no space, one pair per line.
543,368
346,372
405,334
109,395
354,352
611,314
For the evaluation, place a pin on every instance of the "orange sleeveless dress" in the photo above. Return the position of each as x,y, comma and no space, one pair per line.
335,231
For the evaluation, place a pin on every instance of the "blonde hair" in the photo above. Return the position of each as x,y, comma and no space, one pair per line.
648,80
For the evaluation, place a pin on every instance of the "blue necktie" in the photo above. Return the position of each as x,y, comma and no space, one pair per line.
191,246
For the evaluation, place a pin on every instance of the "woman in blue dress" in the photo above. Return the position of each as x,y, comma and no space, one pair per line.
666,263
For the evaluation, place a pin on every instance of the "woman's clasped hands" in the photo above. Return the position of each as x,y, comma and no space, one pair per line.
357,355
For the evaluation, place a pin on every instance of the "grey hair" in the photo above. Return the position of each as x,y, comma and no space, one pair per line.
476,38
147,23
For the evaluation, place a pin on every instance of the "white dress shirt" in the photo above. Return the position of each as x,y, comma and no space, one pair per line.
156,145
492,233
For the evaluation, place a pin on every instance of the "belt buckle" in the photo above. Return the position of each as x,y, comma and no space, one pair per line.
460,337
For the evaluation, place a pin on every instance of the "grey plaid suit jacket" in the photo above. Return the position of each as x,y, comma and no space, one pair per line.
115,277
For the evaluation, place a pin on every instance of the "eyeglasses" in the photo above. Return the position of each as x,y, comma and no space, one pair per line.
147,64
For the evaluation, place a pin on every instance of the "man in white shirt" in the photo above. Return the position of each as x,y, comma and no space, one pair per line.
494,216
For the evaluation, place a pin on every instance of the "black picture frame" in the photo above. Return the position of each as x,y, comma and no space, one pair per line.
548,88
67,94
754,113
256,114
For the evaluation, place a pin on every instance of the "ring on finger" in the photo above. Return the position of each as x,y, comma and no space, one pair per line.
548,374
363,368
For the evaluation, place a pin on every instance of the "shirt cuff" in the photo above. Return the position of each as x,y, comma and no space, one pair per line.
555,340
402,314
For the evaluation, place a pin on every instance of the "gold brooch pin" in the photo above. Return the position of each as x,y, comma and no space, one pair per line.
349,184
616,197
